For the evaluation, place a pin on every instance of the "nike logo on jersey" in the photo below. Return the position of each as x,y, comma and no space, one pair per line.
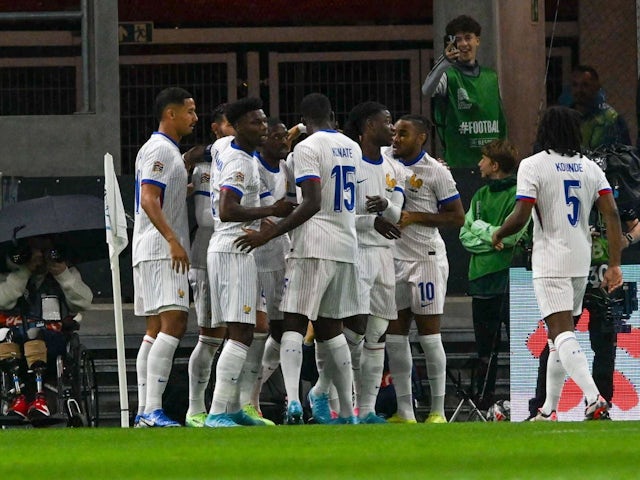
425,304
360,181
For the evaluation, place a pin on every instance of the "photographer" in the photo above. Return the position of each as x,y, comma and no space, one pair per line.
39,299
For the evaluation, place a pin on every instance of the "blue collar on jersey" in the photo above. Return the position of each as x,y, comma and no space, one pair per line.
168,137
328,130
415,160
373,162
233,144
266,165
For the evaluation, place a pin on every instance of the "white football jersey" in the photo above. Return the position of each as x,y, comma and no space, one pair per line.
200,178
429,184
332,159
160,163
564,190
234,170
382,177
270,257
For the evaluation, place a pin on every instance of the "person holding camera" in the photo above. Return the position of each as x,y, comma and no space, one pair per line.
39,301
466,106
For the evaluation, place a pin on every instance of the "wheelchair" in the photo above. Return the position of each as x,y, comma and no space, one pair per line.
69,386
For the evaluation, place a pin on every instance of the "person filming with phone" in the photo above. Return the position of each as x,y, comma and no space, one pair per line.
40,298
466,107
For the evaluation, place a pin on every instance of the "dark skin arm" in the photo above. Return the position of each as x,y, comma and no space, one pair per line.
232,211
514,222
150,201
605,203
451,214
311,196
613,275
385,228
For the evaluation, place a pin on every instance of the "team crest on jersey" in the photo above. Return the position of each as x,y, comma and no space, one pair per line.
391,183
246,309
158,167
181,293
205,178
238,177
415,183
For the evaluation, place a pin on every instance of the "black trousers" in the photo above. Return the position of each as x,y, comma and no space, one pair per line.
489,314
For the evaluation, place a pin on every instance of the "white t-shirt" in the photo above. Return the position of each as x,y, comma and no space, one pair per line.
236,170
429,184
381,177
200,178
332,159
270,257
160,163
564,190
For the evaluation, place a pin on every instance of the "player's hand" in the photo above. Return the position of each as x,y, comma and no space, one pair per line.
612,279
385,228
376,204
406,219
179,257
499,246
283,208
495,240
193,156
253,238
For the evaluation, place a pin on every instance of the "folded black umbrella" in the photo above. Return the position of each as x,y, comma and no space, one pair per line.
75,223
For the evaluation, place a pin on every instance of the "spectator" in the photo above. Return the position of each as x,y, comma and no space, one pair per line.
600,124
39,300
467,109
489,267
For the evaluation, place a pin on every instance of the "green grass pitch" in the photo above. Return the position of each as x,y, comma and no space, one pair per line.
576,450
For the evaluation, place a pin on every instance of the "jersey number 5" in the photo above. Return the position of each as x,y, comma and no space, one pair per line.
572,201
344,175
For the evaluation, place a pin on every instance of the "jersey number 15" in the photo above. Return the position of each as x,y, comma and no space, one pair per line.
344,175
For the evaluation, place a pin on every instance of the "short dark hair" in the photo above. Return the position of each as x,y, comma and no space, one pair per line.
587,69
315,107
169,96
236,110
421,122
358,116
274,122
559,130
219,112
503,153
463,23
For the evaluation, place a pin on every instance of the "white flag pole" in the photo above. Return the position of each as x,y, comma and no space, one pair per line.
116,229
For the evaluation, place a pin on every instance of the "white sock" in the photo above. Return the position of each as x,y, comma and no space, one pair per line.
400,362
270,363
250,377
225,394
159,363
370,377
575,363
324,366
355,342
341,372
555,380
436,361
141,370
291,363
200,371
